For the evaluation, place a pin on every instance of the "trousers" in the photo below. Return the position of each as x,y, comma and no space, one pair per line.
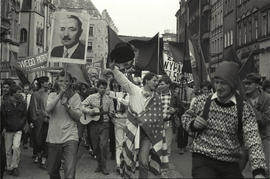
99,132
13,152
66,151
206,167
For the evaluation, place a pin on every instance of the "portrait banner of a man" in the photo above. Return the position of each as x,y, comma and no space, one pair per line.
69,37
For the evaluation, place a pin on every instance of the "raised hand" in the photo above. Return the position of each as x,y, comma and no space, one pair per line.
200,123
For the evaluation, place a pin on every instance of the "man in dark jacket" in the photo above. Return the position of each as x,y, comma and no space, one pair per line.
13,113
260,101
39,119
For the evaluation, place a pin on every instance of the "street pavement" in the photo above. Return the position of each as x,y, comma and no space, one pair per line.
85,167
180,167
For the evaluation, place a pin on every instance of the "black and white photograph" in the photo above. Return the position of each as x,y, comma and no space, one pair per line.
135,89
69,37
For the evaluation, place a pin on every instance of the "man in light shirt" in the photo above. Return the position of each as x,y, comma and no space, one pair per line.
145,127
63,107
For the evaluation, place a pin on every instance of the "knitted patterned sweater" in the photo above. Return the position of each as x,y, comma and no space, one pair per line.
220,140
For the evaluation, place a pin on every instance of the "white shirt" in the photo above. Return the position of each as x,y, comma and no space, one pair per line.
232,99
137,100
27,98
70,50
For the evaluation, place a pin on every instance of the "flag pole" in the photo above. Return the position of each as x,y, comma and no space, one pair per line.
158,56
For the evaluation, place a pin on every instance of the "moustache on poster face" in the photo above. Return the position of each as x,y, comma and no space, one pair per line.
66,38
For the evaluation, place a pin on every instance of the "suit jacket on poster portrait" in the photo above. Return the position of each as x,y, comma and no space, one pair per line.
78,53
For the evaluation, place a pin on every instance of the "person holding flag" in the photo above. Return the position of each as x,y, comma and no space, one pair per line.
145,134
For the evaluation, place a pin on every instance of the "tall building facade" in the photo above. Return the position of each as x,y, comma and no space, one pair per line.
35,30
240,25
216,33
253,32
198,30
9,39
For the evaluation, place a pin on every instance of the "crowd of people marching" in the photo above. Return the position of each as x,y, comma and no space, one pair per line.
222,130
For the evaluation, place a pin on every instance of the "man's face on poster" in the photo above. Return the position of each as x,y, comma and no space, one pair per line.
70,31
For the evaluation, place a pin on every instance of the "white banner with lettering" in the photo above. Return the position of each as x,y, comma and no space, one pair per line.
172,68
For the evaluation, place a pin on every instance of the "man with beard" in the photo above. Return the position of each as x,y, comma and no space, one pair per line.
223,121
261,105
39,120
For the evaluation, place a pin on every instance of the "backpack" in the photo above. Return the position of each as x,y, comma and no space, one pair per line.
239,106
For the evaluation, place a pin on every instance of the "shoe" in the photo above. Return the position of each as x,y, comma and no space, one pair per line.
105,172
62,165
182,151
42,166
9,172
36,159
164,175
118,170
15,172
98,170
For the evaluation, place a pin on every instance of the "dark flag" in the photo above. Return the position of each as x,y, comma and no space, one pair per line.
247,67
231,55
113,39
19,72
150,55
177,50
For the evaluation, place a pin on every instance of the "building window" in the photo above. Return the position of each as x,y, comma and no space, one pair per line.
56,64
245,34
225,40
264,24
89,60
23,35
91,30
239,35
268,22
231,34
90,46
256,28
39,36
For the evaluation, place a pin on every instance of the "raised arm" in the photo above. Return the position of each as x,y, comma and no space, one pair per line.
124,81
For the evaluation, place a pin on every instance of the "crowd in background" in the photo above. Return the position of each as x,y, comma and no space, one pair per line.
30,116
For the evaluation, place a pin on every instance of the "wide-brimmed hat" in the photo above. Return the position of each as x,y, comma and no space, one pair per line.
122,53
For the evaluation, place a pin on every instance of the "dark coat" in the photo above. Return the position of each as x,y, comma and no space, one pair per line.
78,53
13,114
37,108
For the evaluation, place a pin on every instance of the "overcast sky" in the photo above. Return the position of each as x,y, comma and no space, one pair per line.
141,17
